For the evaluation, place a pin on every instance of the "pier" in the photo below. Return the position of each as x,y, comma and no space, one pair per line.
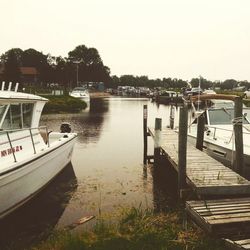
227,215
204,175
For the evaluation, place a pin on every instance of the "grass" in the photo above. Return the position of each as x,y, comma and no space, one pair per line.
63,104
136,229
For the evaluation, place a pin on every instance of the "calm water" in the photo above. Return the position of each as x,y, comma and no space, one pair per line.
106,172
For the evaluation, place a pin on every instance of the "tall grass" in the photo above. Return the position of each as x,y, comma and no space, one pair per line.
136,229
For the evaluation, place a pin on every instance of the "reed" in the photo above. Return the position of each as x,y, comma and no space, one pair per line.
136,228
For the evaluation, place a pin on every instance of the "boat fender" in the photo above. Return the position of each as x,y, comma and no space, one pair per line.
65,127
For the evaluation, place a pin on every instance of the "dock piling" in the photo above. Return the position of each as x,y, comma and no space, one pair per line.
182,148
200,132
157,141
145,133
238,119
171,117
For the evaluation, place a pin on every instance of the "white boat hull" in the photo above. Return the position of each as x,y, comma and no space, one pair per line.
19,185
82,98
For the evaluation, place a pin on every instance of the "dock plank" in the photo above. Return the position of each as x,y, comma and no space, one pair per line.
238,244
221,216
205,175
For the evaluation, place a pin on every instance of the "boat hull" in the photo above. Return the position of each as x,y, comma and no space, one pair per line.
20,185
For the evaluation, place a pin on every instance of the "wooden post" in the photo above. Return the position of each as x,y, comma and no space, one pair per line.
182,148
145,133
239,156
171,118
157,144
200,132
171,97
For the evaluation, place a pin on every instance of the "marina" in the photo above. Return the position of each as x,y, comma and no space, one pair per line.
125,125
91,191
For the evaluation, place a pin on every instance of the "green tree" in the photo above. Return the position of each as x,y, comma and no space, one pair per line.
12,60
194,82
34,58
128,80
228,84
89,63
204,83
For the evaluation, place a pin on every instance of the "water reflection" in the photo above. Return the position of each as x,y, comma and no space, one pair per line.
164,186
98,105
32,222
87,124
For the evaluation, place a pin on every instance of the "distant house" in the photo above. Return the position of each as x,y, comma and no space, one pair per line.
28,74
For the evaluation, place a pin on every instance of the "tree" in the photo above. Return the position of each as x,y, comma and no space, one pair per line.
127,80
181,84
195,82
12,60
34,58
228,84
90,65
204,83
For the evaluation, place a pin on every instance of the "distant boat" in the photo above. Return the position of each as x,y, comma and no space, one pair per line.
167,97
30,156
81,93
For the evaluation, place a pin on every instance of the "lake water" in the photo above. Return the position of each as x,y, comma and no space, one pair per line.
106,173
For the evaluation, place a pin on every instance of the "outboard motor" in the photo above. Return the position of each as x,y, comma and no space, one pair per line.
65,127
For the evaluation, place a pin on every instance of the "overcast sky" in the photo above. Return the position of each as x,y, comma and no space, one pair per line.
157,38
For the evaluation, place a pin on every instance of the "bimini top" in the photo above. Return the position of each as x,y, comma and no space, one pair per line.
9,96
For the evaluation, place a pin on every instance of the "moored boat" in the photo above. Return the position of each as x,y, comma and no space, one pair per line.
30,156
80,93
219,141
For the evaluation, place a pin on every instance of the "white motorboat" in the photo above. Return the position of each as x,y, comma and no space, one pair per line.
219,141
81,93
30,156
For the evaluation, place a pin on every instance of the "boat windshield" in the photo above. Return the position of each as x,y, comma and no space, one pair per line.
2,111
222,116
79,89
18,116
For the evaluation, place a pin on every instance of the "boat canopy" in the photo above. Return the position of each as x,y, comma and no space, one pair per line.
20,110
11,97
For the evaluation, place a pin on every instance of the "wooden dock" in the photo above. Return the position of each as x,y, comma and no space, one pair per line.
228,218
204,174
223,216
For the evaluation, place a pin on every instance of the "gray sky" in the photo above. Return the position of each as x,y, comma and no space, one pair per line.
157,38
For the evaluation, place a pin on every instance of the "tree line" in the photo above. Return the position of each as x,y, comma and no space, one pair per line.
174,83
90,67
62,70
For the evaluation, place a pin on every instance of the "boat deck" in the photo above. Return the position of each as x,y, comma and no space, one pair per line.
205,175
